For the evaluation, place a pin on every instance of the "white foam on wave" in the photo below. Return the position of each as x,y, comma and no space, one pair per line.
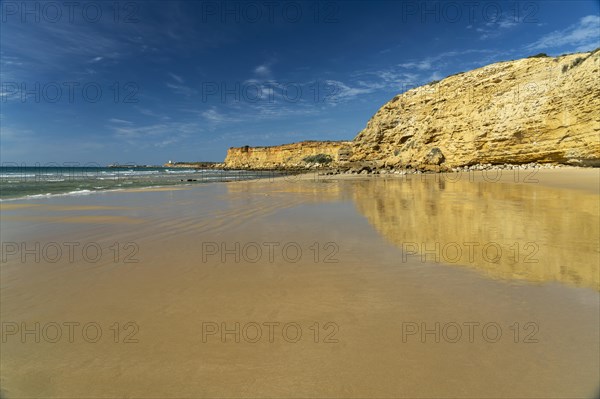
74,193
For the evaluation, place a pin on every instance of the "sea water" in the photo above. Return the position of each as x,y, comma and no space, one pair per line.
40,181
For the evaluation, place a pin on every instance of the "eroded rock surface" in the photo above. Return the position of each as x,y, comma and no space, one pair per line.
533,110
540,109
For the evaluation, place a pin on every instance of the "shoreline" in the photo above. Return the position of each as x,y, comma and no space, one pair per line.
19,183
567,177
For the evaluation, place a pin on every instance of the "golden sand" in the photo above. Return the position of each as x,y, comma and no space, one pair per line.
337,303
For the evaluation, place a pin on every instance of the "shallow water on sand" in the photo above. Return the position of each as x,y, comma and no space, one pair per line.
368,288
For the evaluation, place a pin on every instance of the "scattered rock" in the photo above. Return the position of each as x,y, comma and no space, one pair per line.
435,157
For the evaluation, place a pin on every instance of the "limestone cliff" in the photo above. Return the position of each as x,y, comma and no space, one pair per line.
537,109
285,156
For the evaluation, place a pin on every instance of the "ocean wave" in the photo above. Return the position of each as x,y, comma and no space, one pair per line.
17,188
74,193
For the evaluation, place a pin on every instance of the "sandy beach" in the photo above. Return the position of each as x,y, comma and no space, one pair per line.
307,286
299,200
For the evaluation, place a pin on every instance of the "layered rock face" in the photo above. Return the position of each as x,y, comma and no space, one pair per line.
537,109
287,155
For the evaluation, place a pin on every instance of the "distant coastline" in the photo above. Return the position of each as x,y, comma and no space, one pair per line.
194,165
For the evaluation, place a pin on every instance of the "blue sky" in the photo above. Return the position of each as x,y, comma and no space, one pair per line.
148,82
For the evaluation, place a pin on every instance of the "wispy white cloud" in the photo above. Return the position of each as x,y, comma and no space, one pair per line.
440,60
156,135
436,75
497,28
507,23
263,70
343,92
583,35
67,47
182,89
60,46
8,133
178,78
146,111
120,121
415,72
212,115
392,79
9,60
421,65
282,109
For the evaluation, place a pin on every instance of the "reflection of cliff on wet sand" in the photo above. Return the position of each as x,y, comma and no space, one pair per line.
415,214
300,187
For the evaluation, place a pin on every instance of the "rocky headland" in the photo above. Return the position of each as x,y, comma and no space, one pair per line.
305,154
536,111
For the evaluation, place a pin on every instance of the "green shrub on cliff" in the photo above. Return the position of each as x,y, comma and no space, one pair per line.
577,61
319,158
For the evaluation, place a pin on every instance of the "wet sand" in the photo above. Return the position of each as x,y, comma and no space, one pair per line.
335,287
